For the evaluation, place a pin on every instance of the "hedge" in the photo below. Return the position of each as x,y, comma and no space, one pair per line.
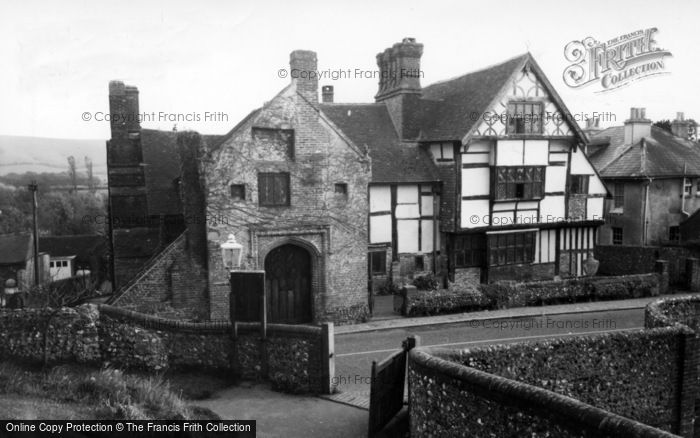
502,295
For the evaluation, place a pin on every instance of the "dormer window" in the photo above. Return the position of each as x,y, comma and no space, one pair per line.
443,152
524,118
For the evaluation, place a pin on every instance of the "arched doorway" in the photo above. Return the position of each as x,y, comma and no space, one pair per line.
288,285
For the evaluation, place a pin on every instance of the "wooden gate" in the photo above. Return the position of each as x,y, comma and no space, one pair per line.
288,285
386,392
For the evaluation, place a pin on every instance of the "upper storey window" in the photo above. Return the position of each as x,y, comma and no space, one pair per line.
524,118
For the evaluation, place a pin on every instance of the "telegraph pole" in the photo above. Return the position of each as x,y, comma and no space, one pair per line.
33,188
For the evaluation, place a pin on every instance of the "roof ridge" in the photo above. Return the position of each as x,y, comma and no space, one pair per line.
492,66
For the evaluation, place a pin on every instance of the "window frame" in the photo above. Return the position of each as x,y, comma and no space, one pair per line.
687,186
382,257
237,186
344,189
617,235
579,182
619,195
469,250
515,119
262,200
510,179
513,248
674,233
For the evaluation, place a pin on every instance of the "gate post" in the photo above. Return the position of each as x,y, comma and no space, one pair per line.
327,357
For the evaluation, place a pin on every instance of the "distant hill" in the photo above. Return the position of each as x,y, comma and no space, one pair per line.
37,154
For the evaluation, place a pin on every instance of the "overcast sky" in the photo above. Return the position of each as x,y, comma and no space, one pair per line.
192,57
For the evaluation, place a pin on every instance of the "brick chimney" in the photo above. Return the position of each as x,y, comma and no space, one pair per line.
303,68
399,85
327,93
637,126
124,108
679,127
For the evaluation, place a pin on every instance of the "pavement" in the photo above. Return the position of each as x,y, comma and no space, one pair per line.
386,322
345,414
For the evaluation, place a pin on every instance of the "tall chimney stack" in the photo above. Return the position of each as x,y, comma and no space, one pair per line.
303,68
679,127
637,126
399,85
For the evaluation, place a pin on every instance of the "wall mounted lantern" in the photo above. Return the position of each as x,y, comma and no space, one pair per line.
231,252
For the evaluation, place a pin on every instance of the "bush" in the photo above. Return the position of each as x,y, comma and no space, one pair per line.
389,288
436,302
426,282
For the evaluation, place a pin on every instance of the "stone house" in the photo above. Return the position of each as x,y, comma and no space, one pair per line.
17,261
654,177
478,178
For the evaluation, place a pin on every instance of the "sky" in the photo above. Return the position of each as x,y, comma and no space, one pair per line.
190,58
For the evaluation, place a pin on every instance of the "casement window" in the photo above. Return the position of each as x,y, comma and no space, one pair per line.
524,118
687,186
619,195
617,236
273,189
524,182
469,250
674,233
377,262
443,151
282,139
697,188
511,248
578,184
238,192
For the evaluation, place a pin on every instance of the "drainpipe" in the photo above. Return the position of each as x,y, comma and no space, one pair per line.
685,213
435,231
646,212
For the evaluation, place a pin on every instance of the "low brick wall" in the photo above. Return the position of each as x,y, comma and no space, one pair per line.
632,259
299,358
597,386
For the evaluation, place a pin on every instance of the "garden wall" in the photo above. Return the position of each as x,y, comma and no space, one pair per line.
632,259
597,386
296,358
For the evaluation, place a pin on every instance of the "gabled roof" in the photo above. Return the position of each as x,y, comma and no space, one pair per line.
15,248
369,125
660,155
447,107
162,167
83,246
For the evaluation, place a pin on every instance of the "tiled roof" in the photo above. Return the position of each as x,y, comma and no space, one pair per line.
447,107
369,125
162,167
82,246
659,155
14,248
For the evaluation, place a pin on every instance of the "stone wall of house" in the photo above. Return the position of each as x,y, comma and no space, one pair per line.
331,226
621,384
297,358
171,285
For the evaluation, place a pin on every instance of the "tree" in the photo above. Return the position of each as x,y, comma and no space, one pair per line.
663,124
72,172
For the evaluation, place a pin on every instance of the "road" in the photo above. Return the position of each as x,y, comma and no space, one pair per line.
355,352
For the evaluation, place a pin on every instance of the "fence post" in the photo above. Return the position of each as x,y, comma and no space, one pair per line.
688,384
661,268
327,357
692,272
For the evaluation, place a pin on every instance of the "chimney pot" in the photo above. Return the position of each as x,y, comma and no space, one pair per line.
637,126
327,93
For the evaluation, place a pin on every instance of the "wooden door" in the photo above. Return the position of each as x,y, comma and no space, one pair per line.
288,285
